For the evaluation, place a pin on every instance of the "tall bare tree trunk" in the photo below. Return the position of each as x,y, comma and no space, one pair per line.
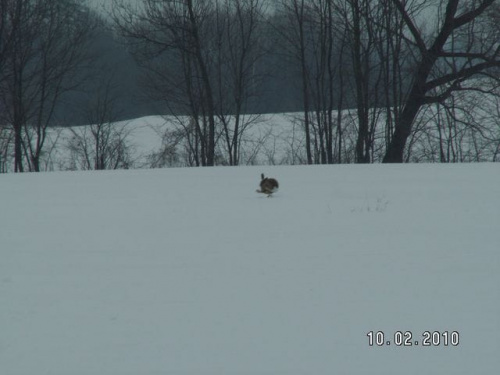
299,13
210,161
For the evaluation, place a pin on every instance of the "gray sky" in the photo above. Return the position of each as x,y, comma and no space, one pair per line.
98,3
104,3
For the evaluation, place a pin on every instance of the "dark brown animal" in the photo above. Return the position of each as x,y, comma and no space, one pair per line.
268,185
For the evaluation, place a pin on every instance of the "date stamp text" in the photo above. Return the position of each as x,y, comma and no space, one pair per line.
407,338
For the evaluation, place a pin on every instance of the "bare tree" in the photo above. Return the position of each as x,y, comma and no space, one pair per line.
238,27
177,27
294,32
327,50
396,64
461,46
362,24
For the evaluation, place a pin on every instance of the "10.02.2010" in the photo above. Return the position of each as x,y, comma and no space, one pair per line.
406,338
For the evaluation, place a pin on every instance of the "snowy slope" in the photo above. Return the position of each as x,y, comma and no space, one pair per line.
189,271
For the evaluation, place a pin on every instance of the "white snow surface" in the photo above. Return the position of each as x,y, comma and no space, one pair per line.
190,271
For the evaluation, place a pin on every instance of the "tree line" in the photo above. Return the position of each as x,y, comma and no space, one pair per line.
41,52
214,65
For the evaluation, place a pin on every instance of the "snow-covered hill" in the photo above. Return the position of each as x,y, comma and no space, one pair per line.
269,139
189,271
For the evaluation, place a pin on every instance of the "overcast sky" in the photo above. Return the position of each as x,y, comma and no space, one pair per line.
100,3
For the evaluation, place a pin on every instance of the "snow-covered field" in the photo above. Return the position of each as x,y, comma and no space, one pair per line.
189,271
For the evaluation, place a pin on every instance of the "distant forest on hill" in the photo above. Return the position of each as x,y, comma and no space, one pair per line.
279,88
216,61
278,91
